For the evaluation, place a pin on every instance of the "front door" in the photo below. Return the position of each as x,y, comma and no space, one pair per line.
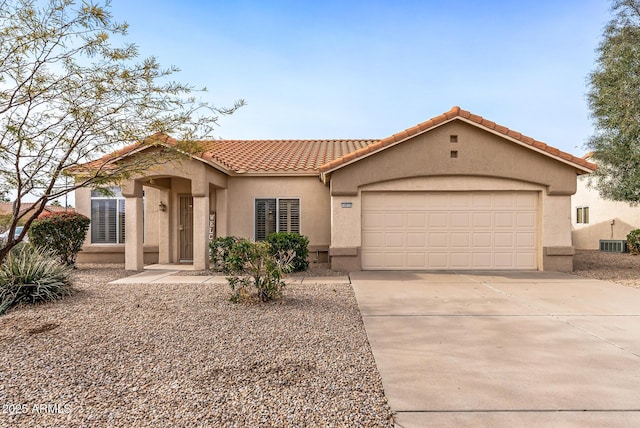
185,228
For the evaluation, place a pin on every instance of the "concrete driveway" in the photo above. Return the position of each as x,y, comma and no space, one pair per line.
503,348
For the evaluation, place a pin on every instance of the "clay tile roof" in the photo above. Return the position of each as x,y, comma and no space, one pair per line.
280,155
457,112
248,156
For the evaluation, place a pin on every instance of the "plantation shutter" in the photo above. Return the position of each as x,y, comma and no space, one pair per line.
289,215
265,218
103,221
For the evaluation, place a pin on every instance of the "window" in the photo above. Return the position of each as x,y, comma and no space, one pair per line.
582,215
107,217
276,215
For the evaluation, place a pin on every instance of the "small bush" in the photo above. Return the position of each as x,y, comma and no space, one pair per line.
633,241
252,264
284,242
61,232
219,250
32,275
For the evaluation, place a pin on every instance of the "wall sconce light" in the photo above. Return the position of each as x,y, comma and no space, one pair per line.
162,206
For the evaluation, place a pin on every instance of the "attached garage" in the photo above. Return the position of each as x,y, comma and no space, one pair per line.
449,230
457,192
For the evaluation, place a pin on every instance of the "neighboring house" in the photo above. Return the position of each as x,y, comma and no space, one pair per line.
6,208
594,218
454,192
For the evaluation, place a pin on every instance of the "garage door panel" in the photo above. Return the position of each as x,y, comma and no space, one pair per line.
481,200
503,260
481,240
525,239
460,260
416,219
416,239
482,219
394,240
373,219
526,219
504,239
459,202
503,219
482,260
438,220
449,230
416,260
460,219
373,239
438,240
460,240
394,260
504,201
394,219
524,260
438,260
373,260
437,201
525,201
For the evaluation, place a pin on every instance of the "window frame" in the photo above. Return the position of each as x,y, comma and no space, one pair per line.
278,226
119,200
582,214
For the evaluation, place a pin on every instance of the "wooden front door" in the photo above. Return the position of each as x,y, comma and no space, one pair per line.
185,228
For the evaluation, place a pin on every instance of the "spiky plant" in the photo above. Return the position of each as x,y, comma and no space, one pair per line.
32,275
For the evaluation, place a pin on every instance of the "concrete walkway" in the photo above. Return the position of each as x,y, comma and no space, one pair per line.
169,274
504,349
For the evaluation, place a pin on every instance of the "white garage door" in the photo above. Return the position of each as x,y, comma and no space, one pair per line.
449,230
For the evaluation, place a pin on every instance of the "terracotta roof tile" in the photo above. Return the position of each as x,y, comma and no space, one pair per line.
479,120
280,155
242,156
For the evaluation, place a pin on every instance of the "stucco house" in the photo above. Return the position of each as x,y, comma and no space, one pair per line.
594,219
455,192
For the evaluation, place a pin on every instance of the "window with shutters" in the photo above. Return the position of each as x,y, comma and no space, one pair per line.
107,217
276,215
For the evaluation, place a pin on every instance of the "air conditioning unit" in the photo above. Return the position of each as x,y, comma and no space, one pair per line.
614,245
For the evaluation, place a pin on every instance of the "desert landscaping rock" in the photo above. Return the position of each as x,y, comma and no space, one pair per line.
622,268
182,355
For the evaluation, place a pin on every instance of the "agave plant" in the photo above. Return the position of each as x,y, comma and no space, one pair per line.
32,275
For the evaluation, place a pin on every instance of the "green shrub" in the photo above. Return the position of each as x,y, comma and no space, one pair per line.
633,241
61,232
284,242
252,264
32,275
219,250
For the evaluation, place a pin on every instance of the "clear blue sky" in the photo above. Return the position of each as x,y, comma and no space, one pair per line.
369,69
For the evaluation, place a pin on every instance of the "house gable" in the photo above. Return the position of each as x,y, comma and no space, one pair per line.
474,152
581,165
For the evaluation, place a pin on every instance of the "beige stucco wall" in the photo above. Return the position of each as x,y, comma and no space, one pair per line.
231,198
602,213
485,162
315,219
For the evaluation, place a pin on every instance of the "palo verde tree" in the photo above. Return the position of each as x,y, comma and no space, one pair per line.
68,96
614,100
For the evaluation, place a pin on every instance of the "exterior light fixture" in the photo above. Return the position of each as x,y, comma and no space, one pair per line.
162,207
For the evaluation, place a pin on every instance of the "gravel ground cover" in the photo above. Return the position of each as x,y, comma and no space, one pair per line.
622,268
134,355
